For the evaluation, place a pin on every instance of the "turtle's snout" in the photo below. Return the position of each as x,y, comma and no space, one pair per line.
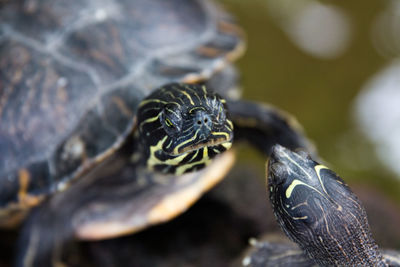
202,123
277,167
277,173
277,152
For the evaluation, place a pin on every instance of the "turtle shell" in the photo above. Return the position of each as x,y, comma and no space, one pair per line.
73,72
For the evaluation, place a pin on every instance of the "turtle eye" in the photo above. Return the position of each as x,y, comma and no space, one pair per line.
221,114
171,120
169,123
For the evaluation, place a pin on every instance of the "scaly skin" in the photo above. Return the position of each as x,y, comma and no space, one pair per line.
318,211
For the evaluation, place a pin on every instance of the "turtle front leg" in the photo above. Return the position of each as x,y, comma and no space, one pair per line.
263,126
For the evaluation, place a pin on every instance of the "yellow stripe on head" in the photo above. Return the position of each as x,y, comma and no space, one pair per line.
188,96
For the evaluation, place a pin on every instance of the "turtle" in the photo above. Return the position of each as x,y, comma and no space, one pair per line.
117,115
319,212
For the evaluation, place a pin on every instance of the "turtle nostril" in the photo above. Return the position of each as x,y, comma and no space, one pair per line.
202,119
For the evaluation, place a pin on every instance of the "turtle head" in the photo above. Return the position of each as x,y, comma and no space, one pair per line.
181,127
317,210
297,190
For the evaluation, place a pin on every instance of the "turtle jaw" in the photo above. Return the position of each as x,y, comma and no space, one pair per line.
195,153
178,154
212,142
192,157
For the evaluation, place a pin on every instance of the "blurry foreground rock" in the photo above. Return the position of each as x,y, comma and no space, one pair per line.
214,232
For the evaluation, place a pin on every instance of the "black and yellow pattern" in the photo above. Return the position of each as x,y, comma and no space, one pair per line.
181,127
319,212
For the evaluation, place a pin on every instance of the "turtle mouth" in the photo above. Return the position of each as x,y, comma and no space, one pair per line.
201,144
